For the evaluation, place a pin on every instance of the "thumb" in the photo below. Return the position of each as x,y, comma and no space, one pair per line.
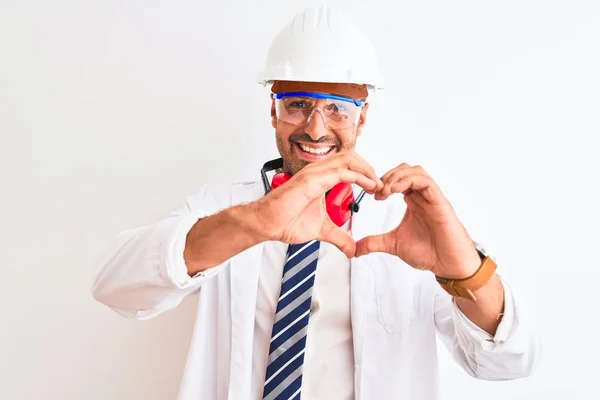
339,238
371,244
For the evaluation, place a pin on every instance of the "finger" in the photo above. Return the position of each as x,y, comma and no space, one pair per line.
372,244
329,178
351,161
357,163
403,186
415,201
335,235
397,174
424,185
400,167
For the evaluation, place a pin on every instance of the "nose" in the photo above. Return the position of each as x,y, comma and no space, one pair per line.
315,125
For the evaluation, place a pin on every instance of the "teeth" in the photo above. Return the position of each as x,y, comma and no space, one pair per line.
315,151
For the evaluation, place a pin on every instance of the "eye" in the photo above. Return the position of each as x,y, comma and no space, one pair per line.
298,104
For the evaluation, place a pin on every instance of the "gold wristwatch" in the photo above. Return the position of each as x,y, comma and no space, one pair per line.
465,288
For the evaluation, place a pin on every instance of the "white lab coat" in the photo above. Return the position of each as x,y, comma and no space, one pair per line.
396,310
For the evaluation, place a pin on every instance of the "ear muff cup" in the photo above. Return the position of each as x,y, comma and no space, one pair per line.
337,201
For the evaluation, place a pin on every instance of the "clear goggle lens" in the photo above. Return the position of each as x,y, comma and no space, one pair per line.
298,108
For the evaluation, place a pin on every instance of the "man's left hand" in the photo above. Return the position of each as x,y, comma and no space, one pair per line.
430,236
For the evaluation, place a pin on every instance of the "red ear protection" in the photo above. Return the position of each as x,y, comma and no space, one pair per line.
337,201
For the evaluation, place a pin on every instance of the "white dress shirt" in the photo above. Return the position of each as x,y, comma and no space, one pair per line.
329,358
396,312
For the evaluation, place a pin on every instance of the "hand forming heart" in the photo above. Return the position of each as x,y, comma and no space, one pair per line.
430,236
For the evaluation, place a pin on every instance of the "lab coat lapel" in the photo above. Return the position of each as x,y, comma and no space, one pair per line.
245,269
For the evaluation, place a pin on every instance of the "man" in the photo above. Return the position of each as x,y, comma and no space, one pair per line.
299,295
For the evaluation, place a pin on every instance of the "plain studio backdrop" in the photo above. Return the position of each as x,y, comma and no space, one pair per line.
112,112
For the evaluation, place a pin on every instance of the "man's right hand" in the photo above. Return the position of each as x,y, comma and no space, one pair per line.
295,212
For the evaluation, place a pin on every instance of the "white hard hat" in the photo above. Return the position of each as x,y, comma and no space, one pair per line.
322,45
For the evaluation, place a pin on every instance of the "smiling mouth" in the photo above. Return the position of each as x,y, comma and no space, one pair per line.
315,151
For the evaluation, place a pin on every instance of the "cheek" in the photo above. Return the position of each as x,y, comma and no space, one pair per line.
348,140
282,139
279,142
285,131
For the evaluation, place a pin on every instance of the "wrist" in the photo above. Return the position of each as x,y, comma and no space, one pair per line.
466,287
470,267
250,218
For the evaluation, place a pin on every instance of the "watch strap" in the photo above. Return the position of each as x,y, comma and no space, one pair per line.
465,288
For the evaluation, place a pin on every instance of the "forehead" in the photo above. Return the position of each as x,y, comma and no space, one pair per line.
351,90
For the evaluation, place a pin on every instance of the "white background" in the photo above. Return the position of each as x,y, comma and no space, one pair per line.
112,112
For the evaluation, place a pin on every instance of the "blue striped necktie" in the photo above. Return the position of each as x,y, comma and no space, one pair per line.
288,340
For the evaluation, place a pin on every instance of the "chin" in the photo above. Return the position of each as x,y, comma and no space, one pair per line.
293,165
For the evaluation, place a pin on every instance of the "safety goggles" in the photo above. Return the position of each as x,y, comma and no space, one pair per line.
298,108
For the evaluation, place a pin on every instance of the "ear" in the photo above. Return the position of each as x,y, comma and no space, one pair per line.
273,113
362,120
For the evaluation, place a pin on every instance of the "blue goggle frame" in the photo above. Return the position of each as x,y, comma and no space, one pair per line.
359,103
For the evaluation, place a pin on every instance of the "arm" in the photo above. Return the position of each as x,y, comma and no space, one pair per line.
151,269
144,272
487,311
431,237
293,213
512,352
217,238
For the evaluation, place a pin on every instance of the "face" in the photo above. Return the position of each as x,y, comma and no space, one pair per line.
297,145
